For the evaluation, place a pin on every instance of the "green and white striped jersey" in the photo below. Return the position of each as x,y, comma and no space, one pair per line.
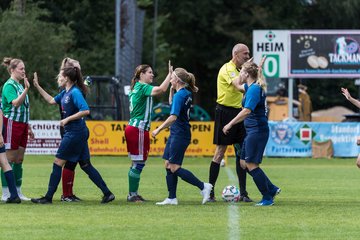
11,90
140,106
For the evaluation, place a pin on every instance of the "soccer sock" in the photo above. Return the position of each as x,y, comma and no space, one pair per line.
18,173
134,179
54,181
96,178
260,180
213,175
9,175
171,181
241,173
189,177
3,180
67,182
271,186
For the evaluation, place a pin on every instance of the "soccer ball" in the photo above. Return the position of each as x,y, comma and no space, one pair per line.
230,194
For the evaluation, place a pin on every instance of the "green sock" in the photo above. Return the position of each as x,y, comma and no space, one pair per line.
18,173
3,179
134,179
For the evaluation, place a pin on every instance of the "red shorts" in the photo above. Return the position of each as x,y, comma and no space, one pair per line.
138,143
15,134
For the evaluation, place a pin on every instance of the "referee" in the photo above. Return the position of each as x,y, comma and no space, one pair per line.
228,106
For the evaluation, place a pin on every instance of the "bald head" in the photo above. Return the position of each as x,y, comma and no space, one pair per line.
239,47
240,54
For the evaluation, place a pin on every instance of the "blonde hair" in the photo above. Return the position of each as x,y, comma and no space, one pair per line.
72,69
11,63
187,78
255,73
69,62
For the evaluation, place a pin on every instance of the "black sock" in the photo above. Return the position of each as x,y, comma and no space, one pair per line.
241,173
213,175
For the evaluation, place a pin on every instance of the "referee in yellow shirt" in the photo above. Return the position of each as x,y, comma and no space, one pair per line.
228,106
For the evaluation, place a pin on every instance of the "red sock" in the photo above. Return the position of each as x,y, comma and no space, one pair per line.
67,182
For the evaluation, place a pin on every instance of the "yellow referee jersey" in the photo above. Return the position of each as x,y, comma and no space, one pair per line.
227,94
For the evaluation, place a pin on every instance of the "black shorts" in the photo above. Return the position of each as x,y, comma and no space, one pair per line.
223,115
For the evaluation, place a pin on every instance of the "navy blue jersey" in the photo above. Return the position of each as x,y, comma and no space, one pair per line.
71,103
255,100
180,107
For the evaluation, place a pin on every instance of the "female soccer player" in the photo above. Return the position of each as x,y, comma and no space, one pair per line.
257,129
356,102
6,168
16,109
68,172
137,130
180,137
73,146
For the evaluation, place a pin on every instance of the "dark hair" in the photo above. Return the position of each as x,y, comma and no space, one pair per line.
11,63
138,70
75,75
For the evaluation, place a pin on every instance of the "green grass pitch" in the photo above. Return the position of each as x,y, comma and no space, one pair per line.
320,199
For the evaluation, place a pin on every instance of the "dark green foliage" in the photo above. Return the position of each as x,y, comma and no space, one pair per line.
197,35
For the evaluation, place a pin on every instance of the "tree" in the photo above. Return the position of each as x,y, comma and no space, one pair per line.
41,45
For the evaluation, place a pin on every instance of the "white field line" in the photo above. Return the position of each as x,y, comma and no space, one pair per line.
233,212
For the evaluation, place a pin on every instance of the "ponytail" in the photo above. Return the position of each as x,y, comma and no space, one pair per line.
187,78
11,63
138,70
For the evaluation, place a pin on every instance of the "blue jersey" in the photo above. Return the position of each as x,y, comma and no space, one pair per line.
72,102
180,107
255,100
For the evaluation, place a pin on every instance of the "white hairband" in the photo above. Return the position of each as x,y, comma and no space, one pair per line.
186,84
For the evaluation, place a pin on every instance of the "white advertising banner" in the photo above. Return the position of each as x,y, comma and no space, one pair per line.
275,45
47,137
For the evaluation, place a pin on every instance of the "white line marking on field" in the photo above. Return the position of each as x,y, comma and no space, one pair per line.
233,211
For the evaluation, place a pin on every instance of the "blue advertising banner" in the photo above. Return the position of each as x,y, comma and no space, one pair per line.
293,139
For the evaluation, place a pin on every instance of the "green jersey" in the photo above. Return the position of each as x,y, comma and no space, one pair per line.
11,90
140,106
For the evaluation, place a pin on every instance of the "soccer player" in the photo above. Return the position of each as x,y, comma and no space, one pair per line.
228,106
180,137
254,115
16,109
6,168
356,102
137,130
68,172
74,145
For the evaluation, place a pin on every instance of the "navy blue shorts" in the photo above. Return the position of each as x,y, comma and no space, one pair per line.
254,146
74,146
2,149
175,149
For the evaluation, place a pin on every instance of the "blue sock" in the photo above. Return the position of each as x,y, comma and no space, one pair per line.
261,182
54,181
171,181
96,178
10,179
189,177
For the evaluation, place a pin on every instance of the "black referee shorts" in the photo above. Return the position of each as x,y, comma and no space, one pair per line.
223,115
